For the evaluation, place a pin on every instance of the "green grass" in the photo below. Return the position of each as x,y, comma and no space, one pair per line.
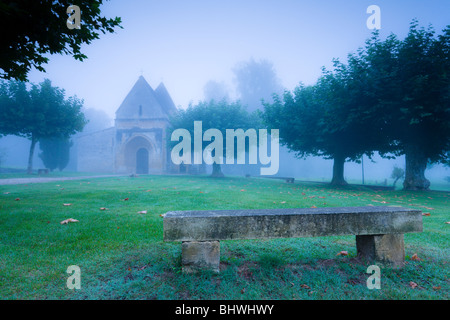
122,256
5,174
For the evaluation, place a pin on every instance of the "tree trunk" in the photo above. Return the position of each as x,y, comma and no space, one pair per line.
30,155
338,171
217,171
416,164
395,182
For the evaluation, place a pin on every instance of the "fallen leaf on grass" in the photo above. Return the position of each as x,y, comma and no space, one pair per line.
283,202
243,290
342,253
162,215
242,190
305,286
6,192
126,199
17,199
67,204
426,214
69,220
437,288
103,209
413,284
415,257
143,212
313,207
448,222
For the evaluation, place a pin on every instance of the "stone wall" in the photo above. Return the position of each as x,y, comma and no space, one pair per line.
95,152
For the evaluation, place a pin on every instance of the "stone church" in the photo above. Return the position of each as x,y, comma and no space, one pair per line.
137,142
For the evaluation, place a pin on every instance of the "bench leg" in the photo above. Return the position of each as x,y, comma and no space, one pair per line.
200,255
384,248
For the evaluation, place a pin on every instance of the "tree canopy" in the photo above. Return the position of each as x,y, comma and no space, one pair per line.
39,113
410,85
391,96
55,152
33,29
256,81
220,115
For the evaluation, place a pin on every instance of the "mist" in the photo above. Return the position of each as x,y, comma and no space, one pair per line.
207,50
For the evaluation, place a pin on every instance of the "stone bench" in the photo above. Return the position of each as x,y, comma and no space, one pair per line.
287,179
378,230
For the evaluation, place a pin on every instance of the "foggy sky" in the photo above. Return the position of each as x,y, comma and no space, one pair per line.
187,43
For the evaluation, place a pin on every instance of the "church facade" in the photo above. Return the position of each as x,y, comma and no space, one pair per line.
137,142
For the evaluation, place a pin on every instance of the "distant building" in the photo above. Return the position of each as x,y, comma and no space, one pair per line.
137,142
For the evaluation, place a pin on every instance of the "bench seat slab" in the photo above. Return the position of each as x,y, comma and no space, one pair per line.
289,223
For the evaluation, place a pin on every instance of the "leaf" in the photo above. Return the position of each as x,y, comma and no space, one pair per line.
243,290
242,190
343,253
143,212
126,199
305,286
448,222
426,214
103,209
437,288
283,202
67,204
68,220
17,199
313,207
415,257
413,284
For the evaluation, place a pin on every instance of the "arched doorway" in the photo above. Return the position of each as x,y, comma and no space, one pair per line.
142,161
138,155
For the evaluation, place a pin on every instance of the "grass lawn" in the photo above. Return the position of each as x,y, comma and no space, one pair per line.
53,174
122,256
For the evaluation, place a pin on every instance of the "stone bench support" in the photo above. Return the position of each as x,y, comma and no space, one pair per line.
378,230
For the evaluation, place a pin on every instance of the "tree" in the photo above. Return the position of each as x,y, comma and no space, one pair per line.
392,97
220,115
214,90
256,81
39,113
411,84
397,174
55,152
37,28
327,119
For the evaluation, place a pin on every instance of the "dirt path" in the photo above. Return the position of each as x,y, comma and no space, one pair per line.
43,180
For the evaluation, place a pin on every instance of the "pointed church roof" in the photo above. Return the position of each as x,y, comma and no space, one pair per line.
142,102
164,99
